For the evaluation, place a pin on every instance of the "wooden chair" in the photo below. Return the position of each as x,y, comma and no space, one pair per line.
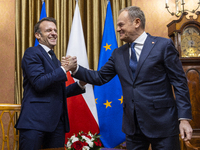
8,115
189,146
194,143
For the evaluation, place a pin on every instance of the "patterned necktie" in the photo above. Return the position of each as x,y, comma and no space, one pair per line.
53,56
133,59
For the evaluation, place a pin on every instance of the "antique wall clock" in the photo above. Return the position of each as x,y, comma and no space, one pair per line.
185,34
190,42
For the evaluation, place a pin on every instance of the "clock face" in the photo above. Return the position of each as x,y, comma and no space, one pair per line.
190,43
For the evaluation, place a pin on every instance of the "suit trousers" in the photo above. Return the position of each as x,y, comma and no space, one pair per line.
139,141
30,139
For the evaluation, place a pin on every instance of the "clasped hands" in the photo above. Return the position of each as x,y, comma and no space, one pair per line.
69,63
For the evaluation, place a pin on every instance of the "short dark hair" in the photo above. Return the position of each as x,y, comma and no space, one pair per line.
37,25
135,12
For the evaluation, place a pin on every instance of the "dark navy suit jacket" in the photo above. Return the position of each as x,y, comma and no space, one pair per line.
150,93
45,93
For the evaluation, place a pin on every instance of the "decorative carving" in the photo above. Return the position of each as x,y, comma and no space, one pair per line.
8,115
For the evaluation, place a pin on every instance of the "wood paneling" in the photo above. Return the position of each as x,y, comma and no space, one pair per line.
193,77
7,50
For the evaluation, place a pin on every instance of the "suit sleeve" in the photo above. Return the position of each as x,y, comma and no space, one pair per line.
73,89
38,70
178,80
104,75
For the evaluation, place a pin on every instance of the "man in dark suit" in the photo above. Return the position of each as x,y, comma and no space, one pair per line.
147,71
43,120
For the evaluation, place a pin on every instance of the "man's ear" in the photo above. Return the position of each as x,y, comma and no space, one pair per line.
37,35
137,22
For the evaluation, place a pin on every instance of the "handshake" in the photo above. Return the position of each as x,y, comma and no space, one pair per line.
69,63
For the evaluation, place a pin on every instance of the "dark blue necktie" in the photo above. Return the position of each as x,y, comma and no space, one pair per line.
133,59
53,56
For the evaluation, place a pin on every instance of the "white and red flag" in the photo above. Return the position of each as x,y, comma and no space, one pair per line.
81,108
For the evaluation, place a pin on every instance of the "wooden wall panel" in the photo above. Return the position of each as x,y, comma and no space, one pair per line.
7,57
7,50
157,17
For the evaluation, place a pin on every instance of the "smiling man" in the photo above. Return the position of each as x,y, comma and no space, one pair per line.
46,33
147,67
43,120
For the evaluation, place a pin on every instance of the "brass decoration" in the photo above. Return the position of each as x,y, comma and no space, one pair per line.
190,42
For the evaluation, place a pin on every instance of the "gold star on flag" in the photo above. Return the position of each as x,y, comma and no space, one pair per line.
96,100
107,103
107,47
121,99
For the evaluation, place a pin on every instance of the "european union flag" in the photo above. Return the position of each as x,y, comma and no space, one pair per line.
109,98
43,14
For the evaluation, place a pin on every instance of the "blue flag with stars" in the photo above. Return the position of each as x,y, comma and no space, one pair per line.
43,14
109,98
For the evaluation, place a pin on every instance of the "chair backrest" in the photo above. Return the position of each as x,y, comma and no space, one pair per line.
8,116
189,146
193,77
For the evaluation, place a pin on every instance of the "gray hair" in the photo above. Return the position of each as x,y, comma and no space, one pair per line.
135,12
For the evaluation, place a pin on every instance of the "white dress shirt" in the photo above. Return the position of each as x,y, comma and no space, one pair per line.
139,45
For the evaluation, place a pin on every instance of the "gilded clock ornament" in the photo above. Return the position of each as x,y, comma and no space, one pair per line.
190,43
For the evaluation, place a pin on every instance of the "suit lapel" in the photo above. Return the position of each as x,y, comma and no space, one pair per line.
148,45
46,56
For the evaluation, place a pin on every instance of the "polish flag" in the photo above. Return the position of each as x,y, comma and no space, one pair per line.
81,108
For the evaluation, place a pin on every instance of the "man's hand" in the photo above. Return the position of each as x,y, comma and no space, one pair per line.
185,130
64,61
69,63
82,83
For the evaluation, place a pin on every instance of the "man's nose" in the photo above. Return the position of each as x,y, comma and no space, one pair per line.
53,32
118,28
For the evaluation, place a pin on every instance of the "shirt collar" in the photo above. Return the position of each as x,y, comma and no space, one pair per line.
141,39
47,49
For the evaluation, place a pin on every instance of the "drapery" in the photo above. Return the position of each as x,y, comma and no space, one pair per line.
92,12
